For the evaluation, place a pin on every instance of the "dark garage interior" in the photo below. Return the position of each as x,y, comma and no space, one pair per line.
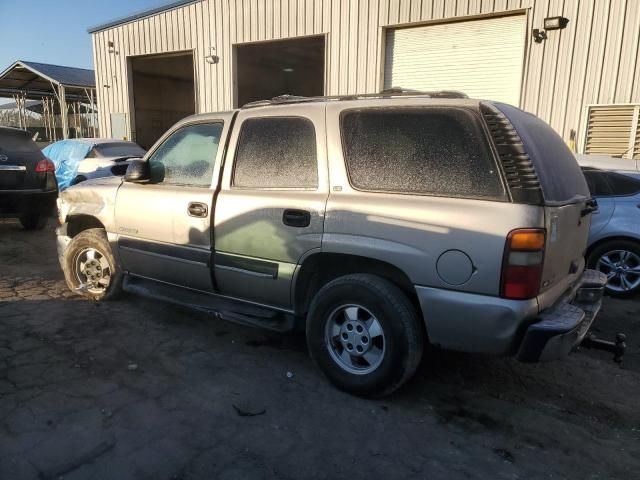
163,93
268,69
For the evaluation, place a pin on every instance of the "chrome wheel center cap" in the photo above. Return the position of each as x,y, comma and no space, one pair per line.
354,337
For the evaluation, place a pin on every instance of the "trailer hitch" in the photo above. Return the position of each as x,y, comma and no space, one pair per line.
617,348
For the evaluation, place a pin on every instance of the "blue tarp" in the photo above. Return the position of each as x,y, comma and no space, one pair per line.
66,154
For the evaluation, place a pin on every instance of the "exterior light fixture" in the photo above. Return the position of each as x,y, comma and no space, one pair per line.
287,69
550,23
212,58
555,23
110,47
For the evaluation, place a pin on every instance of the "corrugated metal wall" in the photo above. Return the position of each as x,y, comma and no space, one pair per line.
594,60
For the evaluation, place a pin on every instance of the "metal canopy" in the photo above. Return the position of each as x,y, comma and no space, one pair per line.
66,86
37,80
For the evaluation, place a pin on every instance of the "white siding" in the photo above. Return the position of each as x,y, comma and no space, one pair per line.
594,60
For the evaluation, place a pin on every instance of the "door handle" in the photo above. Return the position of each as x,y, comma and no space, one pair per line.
197,209
296,218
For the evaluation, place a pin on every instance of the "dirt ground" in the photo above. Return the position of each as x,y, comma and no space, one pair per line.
137,389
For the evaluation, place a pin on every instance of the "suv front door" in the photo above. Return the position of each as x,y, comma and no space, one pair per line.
163,226
270,208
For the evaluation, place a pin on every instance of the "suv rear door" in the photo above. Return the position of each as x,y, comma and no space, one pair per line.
270,208
565,199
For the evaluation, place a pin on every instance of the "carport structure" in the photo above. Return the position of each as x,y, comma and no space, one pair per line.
62,91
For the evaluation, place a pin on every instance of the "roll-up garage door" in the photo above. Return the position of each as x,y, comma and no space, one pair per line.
482,58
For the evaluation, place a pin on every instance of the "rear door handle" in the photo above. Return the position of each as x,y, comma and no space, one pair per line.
197,209
296,218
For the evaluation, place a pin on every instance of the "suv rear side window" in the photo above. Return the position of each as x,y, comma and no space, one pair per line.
432,151
276,152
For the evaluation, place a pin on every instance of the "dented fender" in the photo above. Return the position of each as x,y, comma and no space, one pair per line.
95,198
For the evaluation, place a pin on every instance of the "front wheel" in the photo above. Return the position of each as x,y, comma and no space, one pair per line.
619,260
89,266
364,335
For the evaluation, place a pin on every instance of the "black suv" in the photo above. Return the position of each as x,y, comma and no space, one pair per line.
28,187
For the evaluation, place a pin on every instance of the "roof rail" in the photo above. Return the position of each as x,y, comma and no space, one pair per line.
387,93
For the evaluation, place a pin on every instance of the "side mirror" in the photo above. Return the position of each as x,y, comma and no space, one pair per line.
137,172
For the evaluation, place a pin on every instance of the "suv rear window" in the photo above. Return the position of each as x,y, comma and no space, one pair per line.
17,142
429,151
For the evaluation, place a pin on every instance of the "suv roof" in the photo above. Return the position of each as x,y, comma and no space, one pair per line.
388,93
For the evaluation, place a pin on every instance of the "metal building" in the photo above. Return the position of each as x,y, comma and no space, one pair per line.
572,62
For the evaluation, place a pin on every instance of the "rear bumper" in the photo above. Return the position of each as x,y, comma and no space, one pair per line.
491,325
20,201
563,326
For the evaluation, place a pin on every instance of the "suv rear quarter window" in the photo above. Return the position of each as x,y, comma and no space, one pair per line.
419,150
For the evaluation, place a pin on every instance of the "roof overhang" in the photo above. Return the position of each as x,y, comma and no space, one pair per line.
140,14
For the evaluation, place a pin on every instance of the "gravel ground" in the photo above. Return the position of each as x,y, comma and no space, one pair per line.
136,389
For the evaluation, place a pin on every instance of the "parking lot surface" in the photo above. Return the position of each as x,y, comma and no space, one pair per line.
137,389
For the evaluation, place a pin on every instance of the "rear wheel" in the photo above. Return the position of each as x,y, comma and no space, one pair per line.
89,266
33,221
365,335
619,260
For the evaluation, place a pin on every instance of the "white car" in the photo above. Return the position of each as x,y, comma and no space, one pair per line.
105,154
79,159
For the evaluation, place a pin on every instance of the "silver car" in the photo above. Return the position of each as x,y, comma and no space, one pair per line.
614,238
378,223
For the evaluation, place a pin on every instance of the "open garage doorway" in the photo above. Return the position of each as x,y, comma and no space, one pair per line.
267,69
163,93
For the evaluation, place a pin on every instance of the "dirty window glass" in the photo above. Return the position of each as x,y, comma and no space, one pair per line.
432,151
187,156
276,152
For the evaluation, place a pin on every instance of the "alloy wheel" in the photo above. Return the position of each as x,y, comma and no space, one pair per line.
355,339
622,269
92,270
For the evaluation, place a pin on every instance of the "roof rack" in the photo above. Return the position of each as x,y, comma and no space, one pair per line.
387,93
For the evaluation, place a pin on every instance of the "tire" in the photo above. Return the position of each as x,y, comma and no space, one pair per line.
620,261
77,180
33,221
86,272
375,300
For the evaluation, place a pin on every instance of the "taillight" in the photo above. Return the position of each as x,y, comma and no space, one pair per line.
522,264
45,165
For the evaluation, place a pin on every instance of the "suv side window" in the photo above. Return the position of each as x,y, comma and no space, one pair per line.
597,182
623,185
276,152
418,150
187,156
